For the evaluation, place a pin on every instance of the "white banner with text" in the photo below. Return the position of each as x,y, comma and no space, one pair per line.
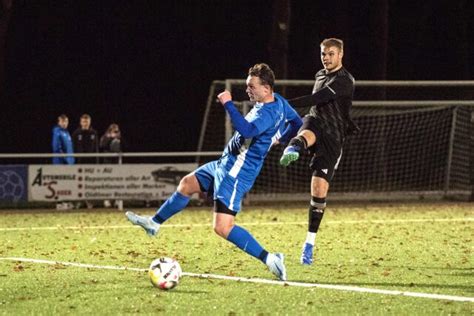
105,182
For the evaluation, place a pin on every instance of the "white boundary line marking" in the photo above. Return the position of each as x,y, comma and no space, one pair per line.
262,281
368,221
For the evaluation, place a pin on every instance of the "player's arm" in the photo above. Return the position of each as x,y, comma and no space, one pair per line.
341,87
245,128
294,124
324,95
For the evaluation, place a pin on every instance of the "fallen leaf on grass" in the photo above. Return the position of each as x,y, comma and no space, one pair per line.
18,268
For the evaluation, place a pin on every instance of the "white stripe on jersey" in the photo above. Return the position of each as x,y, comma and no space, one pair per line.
275,137
239,162
338,161
232,197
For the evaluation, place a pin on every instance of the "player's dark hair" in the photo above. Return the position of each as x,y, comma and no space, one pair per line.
333,42
85,116
264,72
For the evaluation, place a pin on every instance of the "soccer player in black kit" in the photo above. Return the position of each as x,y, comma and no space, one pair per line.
323,132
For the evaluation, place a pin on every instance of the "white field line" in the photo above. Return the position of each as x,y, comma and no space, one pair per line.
367,221
261,281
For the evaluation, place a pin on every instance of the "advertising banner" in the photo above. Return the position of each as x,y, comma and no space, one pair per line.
105,182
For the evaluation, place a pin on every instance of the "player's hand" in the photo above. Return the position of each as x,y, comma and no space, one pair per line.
224,97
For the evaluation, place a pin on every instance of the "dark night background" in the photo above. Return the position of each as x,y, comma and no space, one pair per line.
147,65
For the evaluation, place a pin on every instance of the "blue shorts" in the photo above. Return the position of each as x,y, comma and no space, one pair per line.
215,179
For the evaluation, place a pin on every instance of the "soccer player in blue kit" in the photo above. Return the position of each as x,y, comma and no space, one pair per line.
227,179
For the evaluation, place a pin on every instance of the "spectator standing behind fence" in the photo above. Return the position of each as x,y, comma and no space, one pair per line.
62,142
112,142
86,140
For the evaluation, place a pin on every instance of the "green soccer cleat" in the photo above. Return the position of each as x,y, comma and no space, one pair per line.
289,155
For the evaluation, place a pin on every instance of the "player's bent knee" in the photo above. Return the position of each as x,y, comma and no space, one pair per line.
309,136
223,224
188,185
222,230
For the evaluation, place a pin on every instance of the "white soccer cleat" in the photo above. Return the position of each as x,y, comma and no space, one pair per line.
146,222
276,265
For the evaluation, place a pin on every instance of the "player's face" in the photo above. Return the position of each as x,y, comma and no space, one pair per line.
331,57
256,90
63,123
85,123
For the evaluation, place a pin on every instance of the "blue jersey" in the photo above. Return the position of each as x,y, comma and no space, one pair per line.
230,177
62,144
243,156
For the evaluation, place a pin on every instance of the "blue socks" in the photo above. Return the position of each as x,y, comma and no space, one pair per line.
245,241
238,235
172,206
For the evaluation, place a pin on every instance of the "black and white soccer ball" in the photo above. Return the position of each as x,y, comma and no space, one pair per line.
164,273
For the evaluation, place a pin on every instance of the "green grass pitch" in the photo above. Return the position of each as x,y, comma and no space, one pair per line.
424,248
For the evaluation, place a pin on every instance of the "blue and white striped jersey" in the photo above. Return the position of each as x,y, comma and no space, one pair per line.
243,156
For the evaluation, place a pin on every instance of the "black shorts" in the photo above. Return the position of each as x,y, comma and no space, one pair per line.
327,151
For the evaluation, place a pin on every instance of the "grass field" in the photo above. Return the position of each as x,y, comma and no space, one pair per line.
425,248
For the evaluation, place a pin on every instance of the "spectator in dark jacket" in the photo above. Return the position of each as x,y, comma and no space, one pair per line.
111,142
86,140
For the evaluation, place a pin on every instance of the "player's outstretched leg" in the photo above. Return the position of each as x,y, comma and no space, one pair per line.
292,151
275,262
146,222
240,237
151,225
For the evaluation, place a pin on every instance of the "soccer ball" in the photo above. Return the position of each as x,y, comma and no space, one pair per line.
164,273
12,187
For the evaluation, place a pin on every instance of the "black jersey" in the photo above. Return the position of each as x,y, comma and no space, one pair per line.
334,116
